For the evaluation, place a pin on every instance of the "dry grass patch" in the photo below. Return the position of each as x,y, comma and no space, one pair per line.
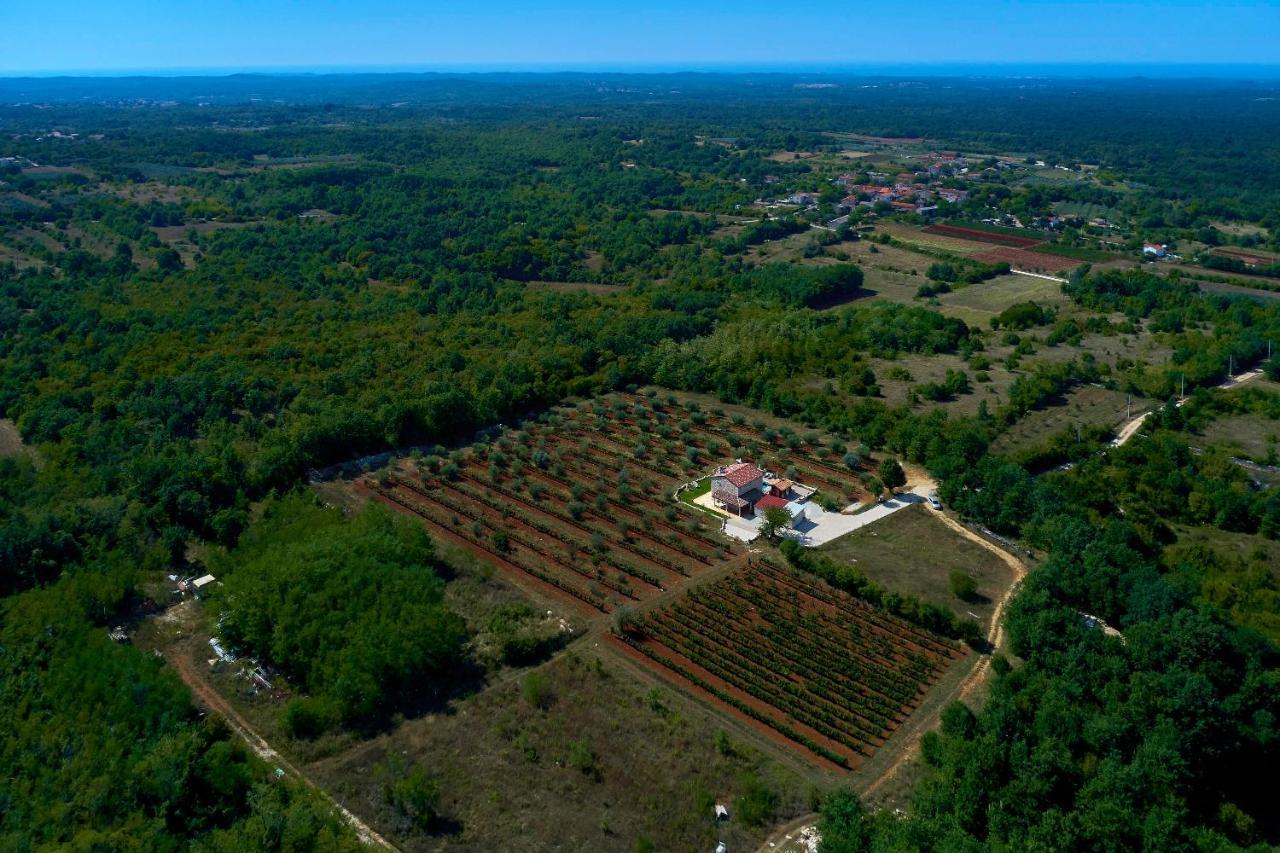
977,303
571,756
911,552
1086,406
1254,436
11,443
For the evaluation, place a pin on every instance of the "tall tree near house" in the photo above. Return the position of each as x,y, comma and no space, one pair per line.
891,474
775,521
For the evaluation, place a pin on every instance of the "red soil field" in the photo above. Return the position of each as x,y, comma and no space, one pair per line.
1029,260
1254,257
984,236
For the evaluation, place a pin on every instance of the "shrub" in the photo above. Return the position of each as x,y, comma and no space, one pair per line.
414,797
963,586
891,473
758,802
536,688
582,758
308,718
843,823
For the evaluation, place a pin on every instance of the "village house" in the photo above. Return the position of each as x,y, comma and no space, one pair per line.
803,198
1158,250
737,487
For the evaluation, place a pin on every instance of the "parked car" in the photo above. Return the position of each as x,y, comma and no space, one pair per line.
933,500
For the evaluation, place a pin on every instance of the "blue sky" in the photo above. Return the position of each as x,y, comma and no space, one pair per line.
107,35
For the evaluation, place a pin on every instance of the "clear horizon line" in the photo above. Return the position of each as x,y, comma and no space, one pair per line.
1033,68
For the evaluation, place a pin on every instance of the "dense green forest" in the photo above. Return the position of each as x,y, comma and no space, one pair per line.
202,305
351,612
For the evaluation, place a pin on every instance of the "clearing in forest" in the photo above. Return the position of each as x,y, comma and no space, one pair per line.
977,303
579,506
1083,407
580,503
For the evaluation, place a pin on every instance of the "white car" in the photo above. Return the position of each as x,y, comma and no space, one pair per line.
932,498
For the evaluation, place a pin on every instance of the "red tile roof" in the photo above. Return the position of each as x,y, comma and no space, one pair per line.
742,473
771,501
729,499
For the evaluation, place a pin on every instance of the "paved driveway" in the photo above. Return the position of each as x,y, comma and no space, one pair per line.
822,526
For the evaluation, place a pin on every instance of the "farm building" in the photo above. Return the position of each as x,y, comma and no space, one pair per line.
201,585
1159,250
743,489
795,509
737,487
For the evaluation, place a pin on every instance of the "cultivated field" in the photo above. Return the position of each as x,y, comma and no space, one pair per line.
1253,257
983,236
577,508
914,235
579,505
1030,260
808,662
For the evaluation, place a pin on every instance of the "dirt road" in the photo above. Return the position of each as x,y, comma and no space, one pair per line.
1130,429
978,675
211,699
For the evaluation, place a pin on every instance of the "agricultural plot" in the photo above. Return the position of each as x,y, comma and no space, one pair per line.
807,662
579,505
997,238
913,235
1029,260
